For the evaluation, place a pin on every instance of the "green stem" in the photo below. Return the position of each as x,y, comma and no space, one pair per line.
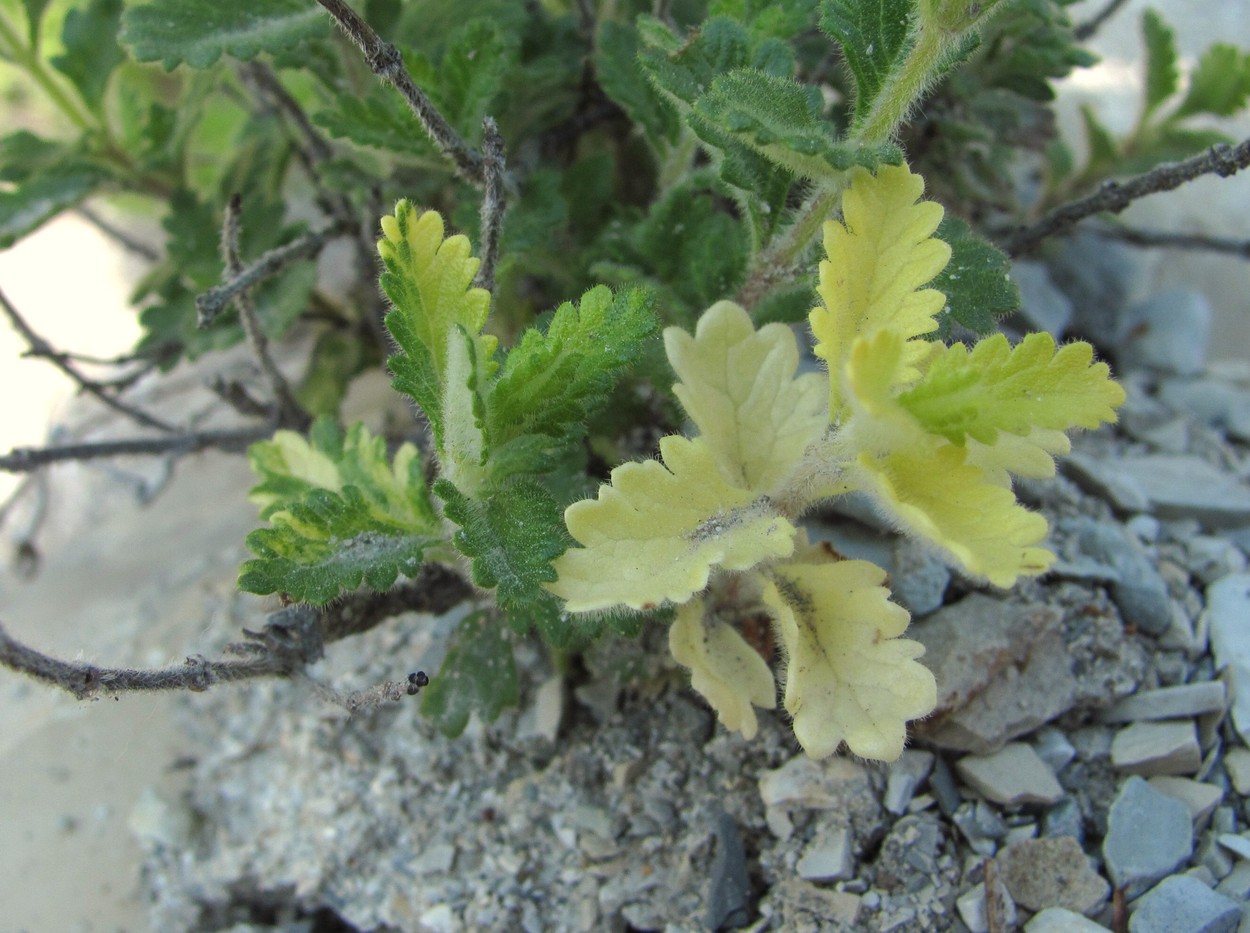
25,58
903,89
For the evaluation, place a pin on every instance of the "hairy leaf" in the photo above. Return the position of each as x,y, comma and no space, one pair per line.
996,387
875,38
622,79
880,255
41,197
657,532
1162,75
1219,85
378,118
471,73
724,669
781,120
849,677
198,32
553,382
512,535
478,675
340,512
739,387
91,49
976,281
931,487
429,282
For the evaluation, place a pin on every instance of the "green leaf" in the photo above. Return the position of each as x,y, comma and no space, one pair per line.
1220,83
512,535
378,118
976,281
623,80
341,512
198,32
34,19
336,358
91,49
553,382
768,18
683,71
1162,75
41,197
781,120
471,74
875,36
1103,149
478,675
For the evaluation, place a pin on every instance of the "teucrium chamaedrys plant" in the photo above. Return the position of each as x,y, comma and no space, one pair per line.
931,433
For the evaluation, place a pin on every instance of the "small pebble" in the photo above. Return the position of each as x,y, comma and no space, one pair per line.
1239,845
1012,776
1237,764
1182,904
829,859
1149,835
1043,873
1169,747
1169,703
906,775
1199,797
1058,920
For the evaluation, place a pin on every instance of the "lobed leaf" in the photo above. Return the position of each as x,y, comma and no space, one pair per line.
35,201
724,669
875,38
341,512
656,533
849,677
996,387
1162,74
91,49
1219,84
198,32
478,675
622,79
739,387
976,281
879,256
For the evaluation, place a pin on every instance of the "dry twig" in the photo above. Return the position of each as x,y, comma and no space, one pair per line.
26,459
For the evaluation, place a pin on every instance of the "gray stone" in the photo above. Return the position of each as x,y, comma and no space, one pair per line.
1042,304
1149,836
1228,608
1236,884
1215,401
1102,479
829,858
918,577
1239,845
1179,487
1043,873
1053,747
1168,332
1169,747
1058,920
1237,764
1182,904
1011,776
1211,557
1169,703
906,775
981,826
1097,274
1002,670
1064,819
729,888
1199,797
1136,586
975,912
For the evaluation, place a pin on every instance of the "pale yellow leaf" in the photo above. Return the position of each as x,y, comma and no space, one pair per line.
740,389
656,533
849,676
727,671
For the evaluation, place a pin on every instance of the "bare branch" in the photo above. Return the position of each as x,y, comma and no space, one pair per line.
41,347
1113,197
124,239
292,639
493,203
289,410
1166,240
26,459
1086,30
214,301
386,62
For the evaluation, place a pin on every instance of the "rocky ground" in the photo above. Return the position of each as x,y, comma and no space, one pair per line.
1087,767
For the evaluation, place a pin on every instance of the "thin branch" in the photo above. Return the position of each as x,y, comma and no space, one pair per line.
234,394
386,62
1113,197
212,302
1086,30
777,263
493,202
124,239
292,639
1167,240
289,410
26,459
41,347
